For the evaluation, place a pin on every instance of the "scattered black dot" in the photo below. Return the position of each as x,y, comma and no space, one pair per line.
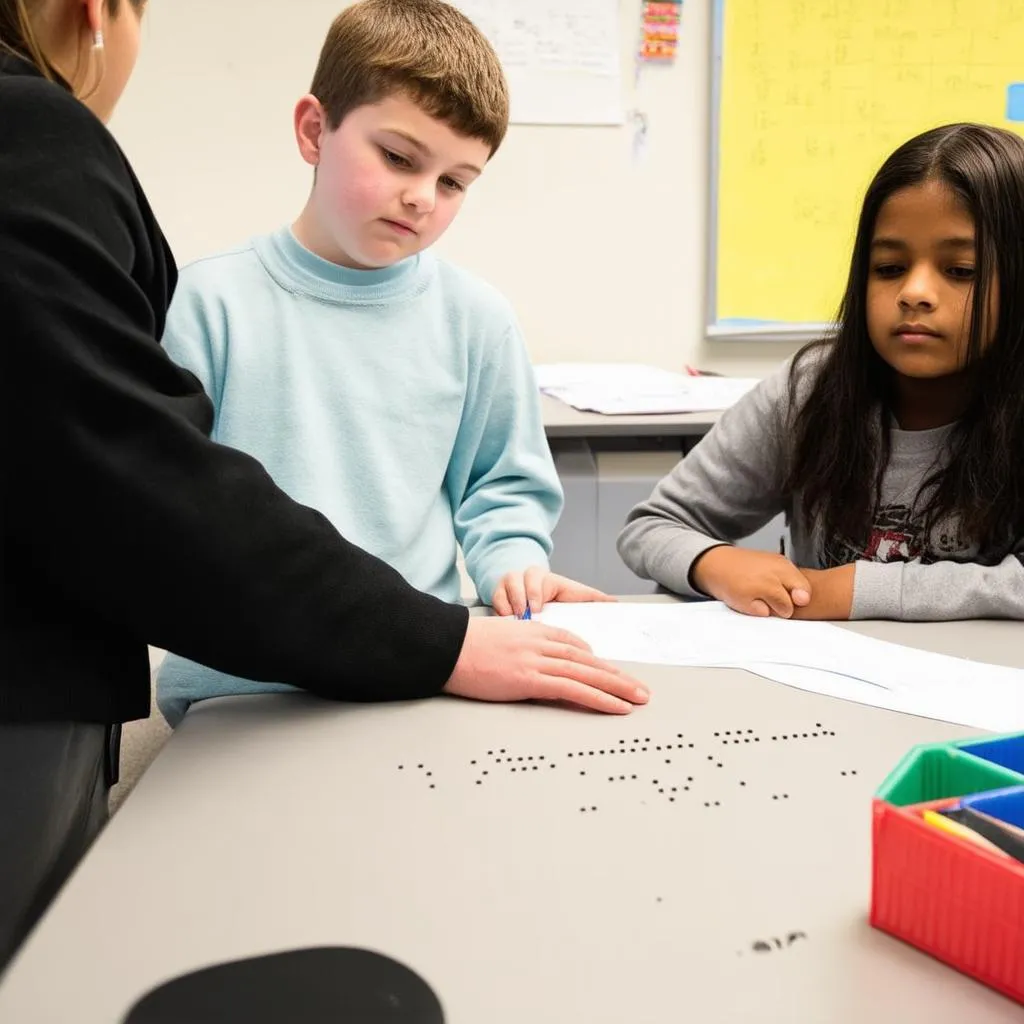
472,762
552,765
540,757
611,778
590,753
746,741
632,776
622,741
490,753
718,764
814,734
535,767
785,796
661,790
622,778
519,759
831,734
774,797
757,739
842,773
710,758
751,731
529,759
419,766
478,782
674,790
655,781
432,786
570,753
659,900
689,778
817,725
583,773
737,741
804,735
706,804
727,733
647,739
657,748
672,799
486,772
401,766
853,772
593,808
503,751
742,783
718,734
512,769
717,804
686,789
690,745
679,735
644,749
583,810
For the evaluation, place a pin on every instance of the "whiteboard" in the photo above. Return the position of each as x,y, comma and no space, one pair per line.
808,98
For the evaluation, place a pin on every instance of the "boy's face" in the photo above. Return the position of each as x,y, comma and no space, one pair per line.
389,181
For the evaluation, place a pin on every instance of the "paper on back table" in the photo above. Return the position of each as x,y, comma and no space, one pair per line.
813,656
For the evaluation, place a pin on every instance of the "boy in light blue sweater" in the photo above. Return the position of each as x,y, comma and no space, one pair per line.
375,382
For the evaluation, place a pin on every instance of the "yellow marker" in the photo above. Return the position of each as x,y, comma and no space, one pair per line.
956,829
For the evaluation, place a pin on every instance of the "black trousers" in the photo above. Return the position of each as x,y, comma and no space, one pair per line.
54,781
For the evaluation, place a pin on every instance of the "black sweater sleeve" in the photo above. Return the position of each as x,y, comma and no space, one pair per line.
113,492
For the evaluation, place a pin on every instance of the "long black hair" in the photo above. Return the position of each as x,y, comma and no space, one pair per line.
842,438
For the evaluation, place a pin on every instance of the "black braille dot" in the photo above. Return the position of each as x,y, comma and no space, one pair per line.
503,751
429,774
401,766
419,766
632,776
478,782
690,745
672,799
432,786
486,772
742,783
583,773
853,772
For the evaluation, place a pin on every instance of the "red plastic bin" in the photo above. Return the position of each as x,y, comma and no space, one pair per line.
945,895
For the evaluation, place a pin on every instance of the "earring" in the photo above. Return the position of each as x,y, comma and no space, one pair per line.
97,40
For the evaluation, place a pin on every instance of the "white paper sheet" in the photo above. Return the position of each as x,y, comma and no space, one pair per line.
562,58
634,389
811,656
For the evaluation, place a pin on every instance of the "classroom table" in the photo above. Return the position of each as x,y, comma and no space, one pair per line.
705,858
562,421
607,464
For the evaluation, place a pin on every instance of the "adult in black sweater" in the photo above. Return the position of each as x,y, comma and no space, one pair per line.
124,525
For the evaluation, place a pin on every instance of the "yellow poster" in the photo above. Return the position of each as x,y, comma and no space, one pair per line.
814,95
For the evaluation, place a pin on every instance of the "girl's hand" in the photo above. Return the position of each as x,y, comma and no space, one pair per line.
752,582
535,588
832,593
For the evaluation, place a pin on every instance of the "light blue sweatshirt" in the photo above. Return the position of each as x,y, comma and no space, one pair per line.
399,402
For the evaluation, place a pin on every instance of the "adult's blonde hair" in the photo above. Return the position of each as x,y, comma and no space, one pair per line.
18,34
424,48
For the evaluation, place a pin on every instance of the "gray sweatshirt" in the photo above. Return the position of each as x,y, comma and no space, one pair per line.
732,483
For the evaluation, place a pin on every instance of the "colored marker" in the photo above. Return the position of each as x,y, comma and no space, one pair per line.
526,616
954,828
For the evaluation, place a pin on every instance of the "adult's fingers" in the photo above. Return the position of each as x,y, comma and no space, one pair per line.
570,663
562,688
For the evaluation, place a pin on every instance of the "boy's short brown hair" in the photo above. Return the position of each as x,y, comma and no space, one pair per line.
424,48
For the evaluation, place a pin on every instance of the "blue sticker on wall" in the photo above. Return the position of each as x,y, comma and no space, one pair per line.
1015,102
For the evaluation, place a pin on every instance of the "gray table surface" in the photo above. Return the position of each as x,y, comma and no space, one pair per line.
532,863
561,420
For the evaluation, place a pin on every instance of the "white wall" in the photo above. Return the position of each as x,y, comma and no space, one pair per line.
603,256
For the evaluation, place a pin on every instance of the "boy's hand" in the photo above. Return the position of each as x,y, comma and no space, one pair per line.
535,588
831,593
508,660
752,582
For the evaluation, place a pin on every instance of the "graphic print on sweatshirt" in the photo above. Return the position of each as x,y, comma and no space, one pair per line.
898,534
